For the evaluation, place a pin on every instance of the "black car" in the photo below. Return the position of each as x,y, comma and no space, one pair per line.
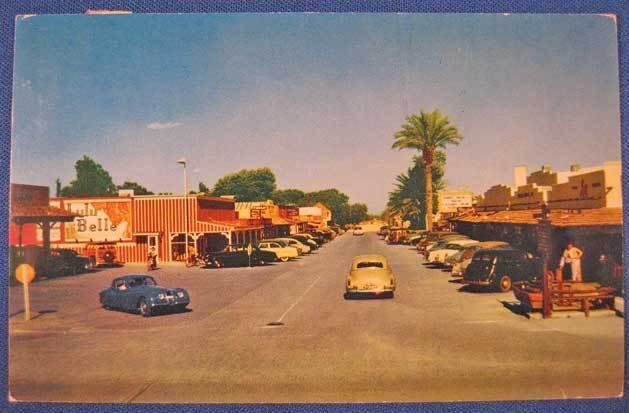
238,256
305,240
498,268
140,293
66,262
318,237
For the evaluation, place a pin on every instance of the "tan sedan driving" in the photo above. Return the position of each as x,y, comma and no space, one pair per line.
370,275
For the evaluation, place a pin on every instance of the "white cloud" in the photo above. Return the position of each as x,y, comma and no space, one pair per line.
160,125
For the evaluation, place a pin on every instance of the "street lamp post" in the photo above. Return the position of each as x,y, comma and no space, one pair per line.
185,195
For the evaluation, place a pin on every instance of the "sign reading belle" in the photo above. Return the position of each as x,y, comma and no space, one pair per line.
99,220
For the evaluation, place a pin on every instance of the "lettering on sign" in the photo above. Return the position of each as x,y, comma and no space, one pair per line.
99,221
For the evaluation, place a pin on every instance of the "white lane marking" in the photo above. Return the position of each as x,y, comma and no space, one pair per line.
298,299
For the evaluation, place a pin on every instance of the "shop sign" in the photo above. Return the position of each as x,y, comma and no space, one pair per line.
451,203
99,220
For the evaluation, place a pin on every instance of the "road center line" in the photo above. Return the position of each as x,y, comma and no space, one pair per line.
299,299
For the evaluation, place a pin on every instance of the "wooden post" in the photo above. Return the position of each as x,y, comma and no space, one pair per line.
547,292
27,301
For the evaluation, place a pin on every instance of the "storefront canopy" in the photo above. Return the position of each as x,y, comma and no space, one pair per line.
557,218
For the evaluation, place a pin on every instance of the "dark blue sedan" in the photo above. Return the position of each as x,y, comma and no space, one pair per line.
140,293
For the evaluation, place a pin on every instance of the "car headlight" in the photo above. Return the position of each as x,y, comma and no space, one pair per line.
161,296
180,294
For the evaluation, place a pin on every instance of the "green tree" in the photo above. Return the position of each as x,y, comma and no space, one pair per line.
247,185
409,196
91,180
203,188
427,133
288,196
137,188
331,198
357,213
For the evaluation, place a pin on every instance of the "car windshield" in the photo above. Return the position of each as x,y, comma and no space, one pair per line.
141,281
484,257
368,264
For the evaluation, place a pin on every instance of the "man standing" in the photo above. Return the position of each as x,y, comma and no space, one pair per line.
572,255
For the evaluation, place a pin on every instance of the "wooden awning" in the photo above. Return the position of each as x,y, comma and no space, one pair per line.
36,214
558,218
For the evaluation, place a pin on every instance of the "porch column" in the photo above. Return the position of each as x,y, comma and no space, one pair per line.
19,235
45,226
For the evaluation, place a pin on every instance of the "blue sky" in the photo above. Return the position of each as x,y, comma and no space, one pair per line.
316,97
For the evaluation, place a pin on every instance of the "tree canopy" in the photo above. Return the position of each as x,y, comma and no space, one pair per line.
203,188
91,180
409,196
288,196
427,133
137,188
247,185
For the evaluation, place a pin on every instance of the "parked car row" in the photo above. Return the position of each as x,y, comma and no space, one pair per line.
489,264
269,250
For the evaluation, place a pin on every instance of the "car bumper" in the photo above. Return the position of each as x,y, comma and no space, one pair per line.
168,303
476,282
369,293
370,290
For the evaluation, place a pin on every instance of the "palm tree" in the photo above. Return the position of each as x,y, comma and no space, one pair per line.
427,133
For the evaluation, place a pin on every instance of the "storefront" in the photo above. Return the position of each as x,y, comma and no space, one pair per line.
595,231
167,224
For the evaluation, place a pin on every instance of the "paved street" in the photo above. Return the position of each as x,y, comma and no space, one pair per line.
432,342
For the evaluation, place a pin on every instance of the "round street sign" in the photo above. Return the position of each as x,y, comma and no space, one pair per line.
24,273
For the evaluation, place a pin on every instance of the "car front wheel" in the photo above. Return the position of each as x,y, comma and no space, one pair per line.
143,306
218,263
504,284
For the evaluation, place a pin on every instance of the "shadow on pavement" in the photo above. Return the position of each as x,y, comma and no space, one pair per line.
474,289
516,308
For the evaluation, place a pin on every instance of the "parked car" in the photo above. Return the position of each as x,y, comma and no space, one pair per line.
102,254
383,231
414,239
320,236
433,238
67,262
441,244
140,293
462,259
328,233
295,243
306,240
499,268
370,275
237,256
437,256
358,230
316,238
396,235
284,253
